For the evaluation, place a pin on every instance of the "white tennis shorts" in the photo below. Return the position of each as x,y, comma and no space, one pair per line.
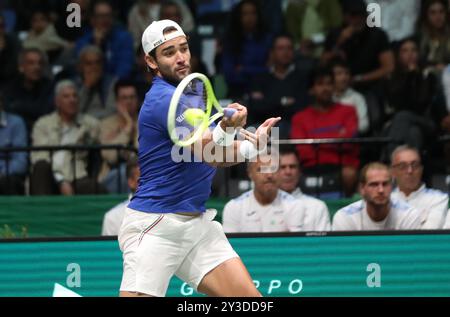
157,246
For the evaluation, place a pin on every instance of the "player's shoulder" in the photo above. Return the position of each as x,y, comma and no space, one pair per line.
286,197
400,205
436,193
354,208
241,198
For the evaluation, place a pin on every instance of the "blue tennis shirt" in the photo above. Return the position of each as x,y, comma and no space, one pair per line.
165,185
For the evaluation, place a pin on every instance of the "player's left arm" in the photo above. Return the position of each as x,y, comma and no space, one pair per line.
224,156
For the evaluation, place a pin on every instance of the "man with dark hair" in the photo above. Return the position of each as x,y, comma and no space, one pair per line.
115,42
29,95
327,119
281,91
366,49
288,175
119,128
13,165
376,211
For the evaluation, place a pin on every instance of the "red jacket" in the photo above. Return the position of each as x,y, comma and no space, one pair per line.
338,122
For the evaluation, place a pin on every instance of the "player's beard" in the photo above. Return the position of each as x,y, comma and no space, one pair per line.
172,75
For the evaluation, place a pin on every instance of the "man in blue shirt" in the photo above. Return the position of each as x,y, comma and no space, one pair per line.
13,165
166,230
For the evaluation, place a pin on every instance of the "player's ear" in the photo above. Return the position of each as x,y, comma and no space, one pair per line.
151,62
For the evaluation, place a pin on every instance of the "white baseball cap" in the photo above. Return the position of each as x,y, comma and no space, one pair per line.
153,35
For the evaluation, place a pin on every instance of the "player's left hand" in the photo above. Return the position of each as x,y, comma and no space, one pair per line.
261,137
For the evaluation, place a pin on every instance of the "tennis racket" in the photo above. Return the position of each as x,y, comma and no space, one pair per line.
193,108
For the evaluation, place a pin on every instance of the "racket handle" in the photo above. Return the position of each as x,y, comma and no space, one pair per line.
228,112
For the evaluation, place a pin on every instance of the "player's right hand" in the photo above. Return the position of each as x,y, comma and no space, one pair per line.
239,118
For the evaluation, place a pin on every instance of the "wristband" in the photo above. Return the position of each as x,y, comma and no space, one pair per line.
222,138
248,150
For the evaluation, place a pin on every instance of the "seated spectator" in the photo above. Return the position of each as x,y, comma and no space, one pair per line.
282,91
327,119
376,211
113,218
366,49
173,10
9,50
398,17
114,41
65,126
413,108
245,49
407,171
144,12
13,165
345,94
119,128
95,87
310,21
266,208
29,95
288,176
43,36
434,35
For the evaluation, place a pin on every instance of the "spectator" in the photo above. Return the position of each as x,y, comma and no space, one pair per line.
13,165
114,41
310,21
434,35
29,95
119,128
288,176
447,221
173,10
376,211
345,94
246,48
282,91
65,126
96,88
407,171
327,119
266,208
9,50
410,92
398,17
43,36
366,49
113,218
144,12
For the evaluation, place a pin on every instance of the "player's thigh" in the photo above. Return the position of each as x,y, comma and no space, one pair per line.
213,256
229,279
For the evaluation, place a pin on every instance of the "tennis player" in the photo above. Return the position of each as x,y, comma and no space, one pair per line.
166,230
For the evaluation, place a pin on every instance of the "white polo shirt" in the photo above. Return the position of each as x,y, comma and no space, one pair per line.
316,211
284,214
431,203
354,217
113,219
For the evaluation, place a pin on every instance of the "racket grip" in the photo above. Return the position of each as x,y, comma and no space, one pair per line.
228,112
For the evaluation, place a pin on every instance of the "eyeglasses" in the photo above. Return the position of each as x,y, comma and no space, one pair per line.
404,166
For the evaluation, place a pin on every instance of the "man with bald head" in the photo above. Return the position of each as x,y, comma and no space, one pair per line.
376,211
266,208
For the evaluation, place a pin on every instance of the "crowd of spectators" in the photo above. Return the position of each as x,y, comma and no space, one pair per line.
316,63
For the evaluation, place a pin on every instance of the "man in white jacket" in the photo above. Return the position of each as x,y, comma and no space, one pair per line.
407,171
376,211
266,208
